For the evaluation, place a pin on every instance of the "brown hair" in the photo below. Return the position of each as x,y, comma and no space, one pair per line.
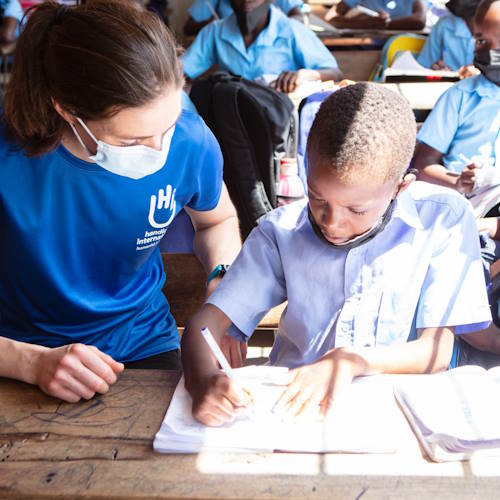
93,59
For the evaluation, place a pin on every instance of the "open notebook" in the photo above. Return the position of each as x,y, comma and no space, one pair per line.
486,192
406,67
365,418
456,414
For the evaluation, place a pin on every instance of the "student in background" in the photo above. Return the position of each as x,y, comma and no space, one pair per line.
11,15
94,167
450,45
203,12
462,134
392,14
365,261
258,39
462,131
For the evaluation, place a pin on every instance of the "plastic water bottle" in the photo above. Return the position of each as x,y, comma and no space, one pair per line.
290,187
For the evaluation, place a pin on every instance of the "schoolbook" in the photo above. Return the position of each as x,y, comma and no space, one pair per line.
455,414
364,418
406,68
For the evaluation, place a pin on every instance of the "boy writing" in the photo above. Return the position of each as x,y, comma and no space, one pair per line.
363,260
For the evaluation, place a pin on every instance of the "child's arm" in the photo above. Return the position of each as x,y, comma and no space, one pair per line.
216,398
336,16
427,161
70,372
320,382
415,21
8,30
192,27
491,225
288,81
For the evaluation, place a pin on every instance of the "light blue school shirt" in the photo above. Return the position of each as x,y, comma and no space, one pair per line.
12,8
79,257
202,10
425,266
465,119
187,103
395,8
283,45
450,40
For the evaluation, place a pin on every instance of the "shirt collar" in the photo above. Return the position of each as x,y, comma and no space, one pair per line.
485,88
278,27
406,210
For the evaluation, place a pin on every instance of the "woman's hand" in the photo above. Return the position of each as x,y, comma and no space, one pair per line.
75,371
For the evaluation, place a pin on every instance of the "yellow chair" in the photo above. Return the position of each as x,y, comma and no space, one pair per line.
394,46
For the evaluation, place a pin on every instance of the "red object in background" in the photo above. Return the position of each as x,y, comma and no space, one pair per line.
26,5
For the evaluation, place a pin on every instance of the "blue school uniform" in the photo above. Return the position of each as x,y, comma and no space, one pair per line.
465,121
79,259
11,8
421,269
284,45
450,40
187,103
202,10
395,8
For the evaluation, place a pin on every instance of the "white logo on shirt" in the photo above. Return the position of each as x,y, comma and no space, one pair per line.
163,204
165,201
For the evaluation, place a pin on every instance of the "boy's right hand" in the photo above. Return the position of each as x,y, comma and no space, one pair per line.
217,400
465,181
75,371
440,66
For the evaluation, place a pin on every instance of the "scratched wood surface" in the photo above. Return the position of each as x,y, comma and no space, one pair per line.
103,449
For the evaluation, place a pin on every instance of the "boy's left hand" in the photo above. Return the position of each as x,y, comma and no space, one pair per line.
315,386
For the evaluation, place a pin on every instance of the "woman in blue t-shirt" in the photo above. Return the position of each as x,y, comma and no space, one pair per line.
97,158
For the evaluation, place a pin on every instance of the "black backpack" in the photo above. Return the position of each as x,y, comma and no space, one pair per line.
256,127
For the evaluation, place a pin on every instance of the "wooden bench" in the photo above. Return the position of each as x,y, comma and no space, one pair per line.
185,292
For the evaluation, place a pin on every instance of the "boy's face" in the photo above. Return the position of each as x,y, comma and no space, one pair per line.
346,209
487,31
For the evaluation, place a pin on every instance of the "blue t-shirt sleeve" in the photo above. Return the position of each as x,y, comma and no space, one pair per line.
253,285
454,289
309,50
201,54
287,5
209,181
13,9
433,48
438,130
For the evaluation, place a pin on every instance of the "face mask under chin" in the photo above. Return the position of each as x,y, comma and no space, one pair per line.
248,20
357,240
488,62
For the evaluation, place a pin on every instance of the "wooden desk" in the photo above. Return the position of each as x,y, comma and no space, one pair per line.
103,449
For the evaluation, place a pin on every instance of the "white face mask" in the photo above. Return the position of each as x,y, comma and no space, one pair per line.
129,161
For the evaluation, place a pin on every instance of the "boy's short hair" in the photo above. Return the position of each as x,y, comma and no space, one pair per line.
364,129
483,8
